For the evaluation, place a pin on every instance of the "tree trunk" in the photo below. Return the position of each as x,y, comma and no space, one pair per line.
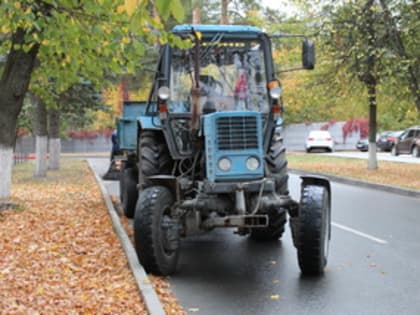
196,16
371,81
41,143
372,161
224,18
54,139
196,12
14,83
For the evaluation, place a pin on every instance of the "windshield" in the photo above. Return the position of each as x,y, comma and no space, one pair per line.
232,77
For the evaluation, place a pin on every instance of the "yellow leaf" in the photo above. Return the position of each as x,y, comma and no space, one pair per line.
126,40
275,296
130,6
120,9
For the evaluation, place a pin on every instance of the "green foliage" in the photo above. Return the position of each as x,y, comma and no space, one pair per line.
333,89
95,40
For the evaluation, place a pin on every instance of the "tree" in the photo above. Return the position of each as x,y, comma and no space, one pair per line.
355,39
75,39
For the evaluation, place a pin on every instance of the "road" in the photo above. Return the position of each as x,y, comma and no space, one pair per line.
373,264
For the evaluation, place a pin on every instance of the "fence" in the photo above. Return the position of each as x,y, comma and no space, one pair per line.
294,138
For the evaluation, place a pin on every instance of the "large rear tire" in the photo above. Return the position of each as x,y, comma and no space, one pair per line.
154,157
276,168
313,229
275,229
129,192
156,233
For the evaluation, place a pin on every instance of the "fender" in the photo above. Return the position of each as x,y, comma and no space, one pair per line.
149,122
317,181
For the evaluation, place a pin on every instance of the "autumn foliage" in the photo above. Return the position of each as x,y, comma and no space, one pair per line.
356,125
89,134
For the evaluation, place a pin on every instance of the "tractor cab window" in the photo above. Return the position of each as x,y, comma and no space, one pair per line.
232,77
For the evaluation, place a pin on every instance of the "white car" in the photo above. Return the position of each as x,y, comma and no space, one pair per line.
319,139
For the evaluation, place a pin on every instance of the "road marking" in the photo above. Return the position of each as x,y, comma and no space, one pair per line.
348,229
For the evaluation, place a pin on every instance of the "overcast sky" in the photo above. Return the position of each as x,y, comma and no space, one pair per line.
281,5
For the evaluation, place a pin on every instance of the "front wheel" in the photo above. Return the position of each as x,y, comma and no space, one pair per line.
313,229
156,233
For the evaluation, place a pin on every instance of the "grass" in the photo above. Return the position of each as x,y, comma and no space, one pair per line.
389,173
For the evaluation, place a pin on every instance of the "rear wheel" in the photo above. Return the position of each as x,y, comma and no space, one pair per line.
313,229
275,229
156,233
277,169
154,157
129,191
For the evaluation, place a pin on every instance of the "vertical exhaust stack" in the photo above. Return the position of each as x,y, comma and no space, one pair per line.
196,91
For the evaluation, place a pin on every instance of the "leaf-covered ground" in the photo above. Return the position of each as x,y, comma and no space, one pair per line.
389,173
162,287
58,251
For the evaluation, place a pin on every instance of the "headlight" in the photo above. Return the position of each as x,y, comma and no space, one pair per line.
163,93
252,163
224,164
275,92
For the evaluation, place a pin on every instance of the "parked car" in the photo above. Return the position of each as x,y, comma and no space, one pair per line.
319,139
363,144
408,142
386,139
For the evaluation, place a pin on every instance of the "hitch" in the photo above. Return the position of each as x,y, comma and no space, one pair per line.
241,221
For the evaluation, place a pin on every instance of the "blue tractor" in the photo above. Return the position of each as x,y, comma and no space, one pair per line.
205,152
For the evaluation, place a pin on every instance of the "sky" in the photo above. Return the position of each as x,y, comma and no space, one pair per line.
283,6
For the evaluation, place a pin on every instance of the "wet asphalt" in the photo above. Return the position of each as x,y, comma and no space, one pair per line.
373,264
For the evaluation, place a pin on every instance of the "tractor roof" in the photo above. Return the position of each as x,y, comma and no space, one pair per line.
231,31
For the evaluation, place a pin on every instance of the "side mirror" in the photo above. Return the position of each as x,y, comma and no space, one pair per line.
308,54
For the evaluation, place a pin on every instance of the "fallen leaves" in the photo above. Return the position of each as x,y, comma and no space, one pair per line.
60,253
162,287
275,296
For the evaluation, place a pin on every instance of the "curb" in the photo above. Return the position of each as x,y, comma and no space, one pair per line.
349,181
148,293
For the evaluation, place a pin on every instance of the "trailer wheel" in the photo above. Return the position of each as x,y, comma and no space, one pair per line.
277,220
129,192
313,229
121,181
156,233
154,157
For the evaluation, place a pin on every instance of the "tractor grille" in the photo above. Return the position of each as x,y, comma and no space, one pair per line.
237,133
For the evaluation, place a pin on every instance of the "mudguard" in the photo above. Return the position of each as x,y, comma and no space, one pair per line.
317,181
